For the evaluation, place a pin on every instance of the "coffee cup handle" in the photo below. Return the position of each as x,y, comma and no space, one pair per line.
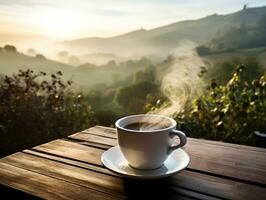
183,139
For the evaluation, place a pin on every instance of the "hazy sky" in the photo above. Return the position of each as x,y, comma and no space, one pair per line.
67,19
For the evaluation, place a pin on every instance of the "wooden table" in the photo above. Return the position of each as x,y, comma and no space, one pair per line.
70,168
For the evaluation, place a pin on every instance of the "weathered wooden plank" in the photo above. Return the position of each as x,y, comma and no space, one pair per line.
220,187
108,172
157,189
237,164
106,184
90,143
227,145
102,131
87,178
45,186
202,183
111,133
72,150
12,193
227,161
70,162
94,138
226,155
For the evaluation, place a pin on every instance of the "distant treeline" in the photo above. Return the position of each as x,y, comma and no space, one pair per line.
237,38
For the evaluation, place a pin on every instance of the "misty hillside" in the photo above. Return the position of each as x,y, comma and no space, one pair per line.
86,76
11,62
163,39
243,37
99,58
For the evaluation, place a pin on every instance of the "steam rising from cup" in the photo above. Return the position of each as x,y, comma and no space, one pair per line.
181,82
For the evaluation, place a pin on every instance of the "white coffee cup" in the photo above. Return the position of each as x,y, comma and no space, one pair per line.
147,149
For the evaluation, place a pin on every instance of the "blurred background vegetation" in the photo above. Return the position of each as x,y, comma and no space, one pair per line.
37,107
43,99
229,112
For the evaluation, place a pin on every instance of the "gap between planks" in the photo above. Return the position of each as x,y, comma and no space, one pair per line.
99,164
78,173
44,186
111,133
224,162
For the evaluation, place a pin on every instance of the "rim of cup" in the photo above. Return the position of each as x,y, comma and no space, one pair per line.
118,123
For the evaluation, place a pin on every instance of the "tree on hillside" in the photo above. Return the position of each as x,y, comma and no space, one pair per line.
245,7
242,37
40,56
202,50
31,52
243,26
262,22
73,60
10,48
144,75
63,55
111,63
133,98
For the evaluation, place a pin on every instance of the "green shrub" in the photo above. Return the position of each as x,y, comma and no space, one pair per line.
203,50
10,49
230,112
35,110
223,71
135,97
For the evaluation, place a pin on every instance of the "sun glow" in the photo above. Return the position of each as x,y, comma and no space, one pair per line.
60,24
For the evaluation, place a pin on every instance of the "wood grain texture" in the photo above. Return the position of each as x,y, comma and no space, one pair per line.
106,184
72,150
63,171
111,133
231,161
101,170
71,169
44,186
201,183
12,193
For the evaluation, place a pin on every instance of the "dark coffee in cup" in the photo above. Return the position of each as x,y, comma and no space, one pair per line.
146,126
147,140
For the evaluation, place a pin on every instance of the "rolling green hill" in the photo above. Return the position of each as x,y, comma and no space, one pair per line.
240,37
163,39
11,62
86,76
151,43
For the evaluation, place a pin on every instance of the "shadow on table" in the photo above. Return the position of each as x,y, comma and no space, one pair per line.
140,189
10,193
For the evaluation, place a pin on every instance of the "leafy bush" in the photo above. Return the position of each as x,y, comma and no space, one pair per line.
34,110
40,56
223,71
143,92
133,98
203,50
10,48
230,112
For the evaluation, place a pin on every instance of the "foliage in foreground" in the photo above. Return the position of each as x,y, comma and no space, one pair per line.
223,71
35,110
229,113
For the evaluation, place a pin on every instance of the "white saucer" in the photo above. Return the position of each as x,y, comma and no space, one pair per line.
116,162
